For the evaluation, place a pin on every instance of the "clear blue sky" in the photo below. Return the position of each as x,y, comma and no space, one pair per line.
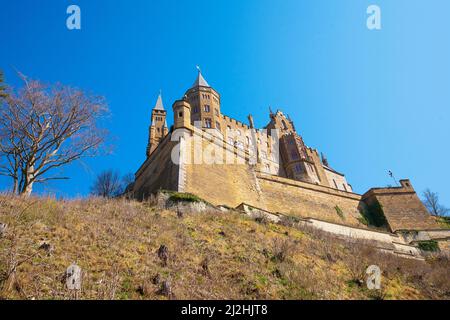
373,101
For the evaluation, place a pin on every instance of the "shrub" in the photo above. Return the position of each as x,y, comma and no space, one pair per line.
288,221
375,215
261,218
363,218
339,212
444,221
183,197
282,249
430,245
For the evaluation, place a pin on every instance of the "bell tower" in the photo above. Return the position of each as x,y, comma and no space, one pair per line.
158,128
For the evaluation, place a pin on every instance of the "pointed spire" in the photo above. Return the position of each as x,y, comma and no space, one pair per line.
200,82
159,103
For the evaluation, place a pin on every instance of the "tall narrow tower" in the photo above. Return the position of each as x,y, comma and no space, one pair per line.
158,128
297,163
205,103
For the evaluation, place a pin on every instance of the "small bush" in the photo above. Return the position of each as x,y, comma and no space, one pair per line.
431,246
375,215
282,249
444,221
339,212
363,218
288,221
183,197
261,218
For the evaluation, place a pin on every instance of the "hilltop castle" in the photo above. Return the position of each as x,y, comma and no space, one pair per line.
231,163
296,161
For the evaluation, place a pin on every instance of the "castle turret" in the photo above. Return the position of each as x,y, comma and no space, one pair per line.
205,104
182,114
158,127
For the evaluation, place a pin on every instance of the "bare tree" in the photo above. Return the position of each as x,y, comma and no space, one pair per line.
107,184
2,87
46,127
431,201
127,180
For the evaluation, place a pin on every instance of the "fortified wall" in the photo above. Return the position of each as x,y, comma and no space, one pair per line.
226,162
401,207
232,184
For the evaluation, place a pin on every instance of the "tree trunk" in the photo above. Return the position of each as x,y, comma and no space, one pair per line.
16,186
27,189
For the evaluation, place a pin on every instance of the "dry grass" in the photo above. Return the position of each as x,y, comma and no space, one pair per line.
209,256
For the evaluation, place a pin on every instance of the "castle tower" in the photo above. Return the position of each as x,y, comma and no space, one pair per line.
205,104
182,114
297,162
158,128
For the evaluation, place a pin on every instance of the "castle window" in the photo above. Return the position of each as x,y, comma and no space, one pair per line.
207,108
196,109
231,141
267,168
217,112
217,125
208,123
248,140
238,132
240,145
264,154
180,114
294,154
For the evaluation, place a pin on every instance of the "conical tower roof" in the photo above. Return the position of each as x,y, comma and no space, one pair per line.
159,103
200,81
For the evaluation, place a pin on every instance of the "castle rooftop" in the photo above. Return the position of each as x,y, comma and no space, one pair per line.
200,81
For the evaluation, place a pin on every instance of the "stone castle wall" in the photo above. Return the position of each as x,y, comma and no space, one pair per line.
402,208
157,172
307,200
232,184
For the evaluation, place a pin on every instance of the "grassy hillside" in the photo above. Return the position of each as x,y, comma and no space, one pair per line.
210,256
